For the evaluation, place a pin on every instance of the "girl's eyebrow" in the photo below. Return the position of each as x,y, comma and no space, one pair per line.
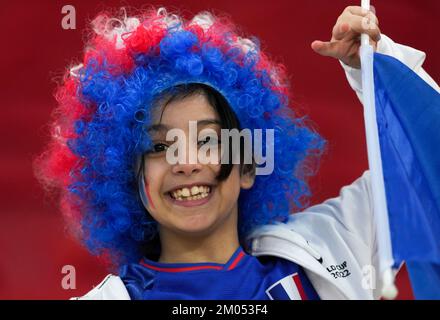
200,123
206,122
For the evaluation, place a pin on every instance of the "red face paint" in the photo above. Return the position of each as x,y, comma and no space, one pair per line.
147,192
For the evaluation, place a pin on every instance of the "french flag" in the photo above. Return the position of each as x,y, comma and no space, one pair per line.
288,288
408,119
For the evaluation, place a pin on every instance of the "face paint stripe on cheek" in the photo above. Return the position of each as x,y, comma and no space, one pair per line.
147,192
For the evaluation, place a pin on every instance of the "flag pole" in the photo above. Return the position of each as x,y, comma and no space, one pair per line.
385,255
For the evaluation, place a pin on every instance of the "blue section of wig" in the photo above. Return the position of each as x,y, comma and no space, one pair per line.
111,141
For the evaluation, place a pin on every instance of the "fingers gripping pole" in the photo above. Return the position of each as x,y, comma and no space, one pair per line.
386,261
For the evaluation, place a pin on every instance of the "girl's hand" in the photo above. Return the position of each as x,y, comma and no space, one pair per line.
345,42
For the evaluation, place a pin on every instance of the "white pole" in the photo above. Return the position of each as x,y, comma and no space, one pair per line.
386,261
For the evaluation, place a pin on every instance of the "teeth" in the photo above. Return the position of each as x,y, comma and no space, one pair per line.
197,197
195,190
185,192
195,193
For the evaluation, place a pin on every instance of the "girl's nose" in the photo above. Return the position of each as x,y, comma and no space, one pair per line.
186,169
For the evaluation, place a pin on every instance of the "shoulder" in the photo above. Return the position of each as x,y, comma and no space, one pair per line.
111,288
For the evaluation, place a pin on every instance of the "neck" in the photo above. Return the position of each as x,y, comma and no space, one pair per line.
215,246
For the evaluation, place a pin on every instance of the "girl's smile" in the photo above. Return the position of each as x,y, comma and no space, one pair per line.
191,195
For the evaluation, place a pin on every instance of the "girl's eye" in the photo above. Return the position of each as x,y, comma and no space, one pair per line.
159,147
209,140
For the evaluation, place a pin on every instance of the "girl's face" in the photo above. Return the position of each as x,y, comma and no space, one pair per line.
184,198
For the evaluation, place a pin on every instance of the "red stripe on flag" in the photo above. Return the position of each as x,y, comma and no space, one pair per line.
299,286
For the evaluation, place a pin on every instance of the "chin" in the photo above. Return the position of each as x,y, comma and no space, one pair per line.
195,226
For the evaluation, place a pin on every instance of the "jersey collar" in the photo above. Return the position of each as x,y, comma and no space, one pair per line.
233,261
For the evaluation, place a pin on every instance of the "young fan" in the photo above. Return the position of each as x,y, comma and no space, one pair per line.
194,229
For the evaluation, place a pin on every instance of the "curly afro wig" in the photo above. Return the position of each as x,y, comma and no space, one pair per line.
104,106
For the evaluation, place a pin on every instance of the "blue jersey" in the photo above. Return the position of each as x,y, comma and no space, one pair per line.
242,277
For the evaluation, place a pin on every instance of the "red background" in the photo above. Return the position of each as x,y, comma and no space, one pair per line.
35,51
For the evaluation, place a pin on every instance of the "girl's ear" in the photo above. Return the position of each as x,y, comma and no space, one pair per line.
247,176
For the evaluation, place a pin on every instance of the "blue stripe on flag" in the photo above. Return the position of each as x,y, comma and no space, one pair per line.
278,293
408,117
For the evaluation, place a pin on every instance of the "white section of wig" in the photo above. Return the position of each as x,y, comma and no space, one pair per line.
246,45
74,70
171,20
113,28
203,19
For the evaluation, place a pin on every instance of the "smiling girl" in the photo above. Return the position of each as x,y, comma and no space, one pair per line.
193,203
193,230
